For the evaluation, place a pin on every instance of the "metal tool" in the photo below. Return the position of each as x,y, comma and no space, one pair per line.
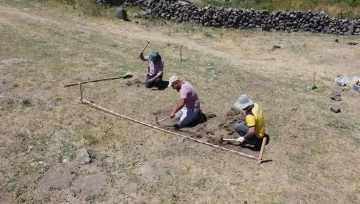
157,121
144,48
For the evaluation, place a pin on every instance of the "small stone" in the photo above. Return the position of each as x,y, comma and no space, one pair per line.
211,115
352,43
64,159
336,96
21,135
335,109
12,61
275,47
84,78
30,148
83,156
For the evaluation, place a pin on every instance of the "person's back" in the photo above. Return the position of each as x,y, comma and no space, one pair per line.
255,117
188,92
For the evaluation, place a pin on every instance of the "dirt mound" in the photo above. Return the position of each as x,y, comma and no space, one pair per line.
211,131
134,82
210,115
233,116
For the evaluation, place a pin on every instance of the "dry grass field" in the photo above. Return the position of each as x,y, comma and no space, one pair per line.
314,152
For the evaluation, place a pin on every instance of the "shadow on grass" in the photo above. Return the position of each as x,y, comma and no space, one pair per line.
163,85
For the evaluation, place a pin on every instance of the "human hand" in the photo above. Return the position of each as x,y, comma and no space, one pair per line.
241,139
172,115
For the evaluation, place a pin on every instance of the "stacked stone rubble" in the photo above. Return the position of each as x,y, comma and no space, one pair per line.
293,21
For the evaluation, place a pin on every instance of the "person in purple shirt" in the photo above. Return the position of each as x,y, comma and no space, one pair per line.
155,69
188,110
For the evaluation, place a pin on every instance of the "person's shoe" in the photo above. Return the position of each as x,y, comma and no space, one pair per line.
176,127
249,142
200,116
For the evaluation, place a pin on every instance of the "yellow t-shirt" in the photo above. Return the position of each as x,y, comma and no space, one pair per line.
255,118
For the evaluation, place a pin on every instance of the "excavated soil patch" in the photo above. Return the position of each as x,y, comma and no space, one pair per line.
211,131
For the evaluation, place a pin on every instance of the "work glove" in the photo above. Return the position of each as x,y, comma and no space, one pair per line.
241,139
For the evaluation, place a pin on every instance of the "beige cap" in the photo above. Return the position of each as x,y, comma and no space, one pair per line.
173,79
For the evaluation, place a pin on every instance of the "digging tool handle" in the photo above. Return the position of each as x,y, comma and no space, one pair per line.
144,49
85,82
163,119
229,139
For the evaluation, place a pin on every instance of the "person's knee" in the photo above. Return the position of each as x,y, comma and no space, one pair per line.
178,115
185,123
148,85
241,129
157,82
237,127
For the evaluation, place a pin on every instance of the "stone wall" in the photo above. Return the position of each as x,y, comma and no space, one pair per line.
293,21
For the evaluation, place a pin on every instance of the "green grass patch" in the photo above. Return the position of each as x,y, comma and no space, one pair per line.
90,139
68,149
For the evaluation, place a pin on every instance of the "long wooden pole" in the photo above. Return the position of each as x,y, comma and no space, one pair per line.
96,80
168,131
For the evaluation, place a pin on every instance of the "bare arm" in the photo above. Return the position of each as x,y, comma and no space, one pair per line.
142,57
250,133
178,107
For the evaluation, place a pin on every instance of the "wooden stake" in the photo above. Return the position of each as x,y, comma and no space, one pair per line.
313,81
81,95
262,149
180,52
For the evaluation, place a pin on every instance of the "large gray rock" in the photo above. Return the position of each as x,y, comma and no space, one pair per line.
121,13
83,156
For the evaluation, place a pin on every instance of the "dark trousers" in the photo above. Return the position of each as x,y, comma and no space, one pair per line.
155,83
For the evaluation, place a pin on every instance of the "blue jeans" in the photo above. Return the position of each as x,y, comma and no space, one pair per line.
155,83
186,116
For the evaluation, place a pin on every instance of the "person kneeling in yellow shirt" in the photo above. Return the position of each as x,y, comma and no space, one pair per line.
251,131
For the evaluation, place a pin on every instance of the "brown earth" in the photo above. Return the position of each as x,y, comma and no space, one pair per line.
42,124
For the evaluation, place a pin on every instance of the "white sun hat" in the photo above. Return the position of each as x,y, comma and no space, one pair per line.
173,79
243,102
